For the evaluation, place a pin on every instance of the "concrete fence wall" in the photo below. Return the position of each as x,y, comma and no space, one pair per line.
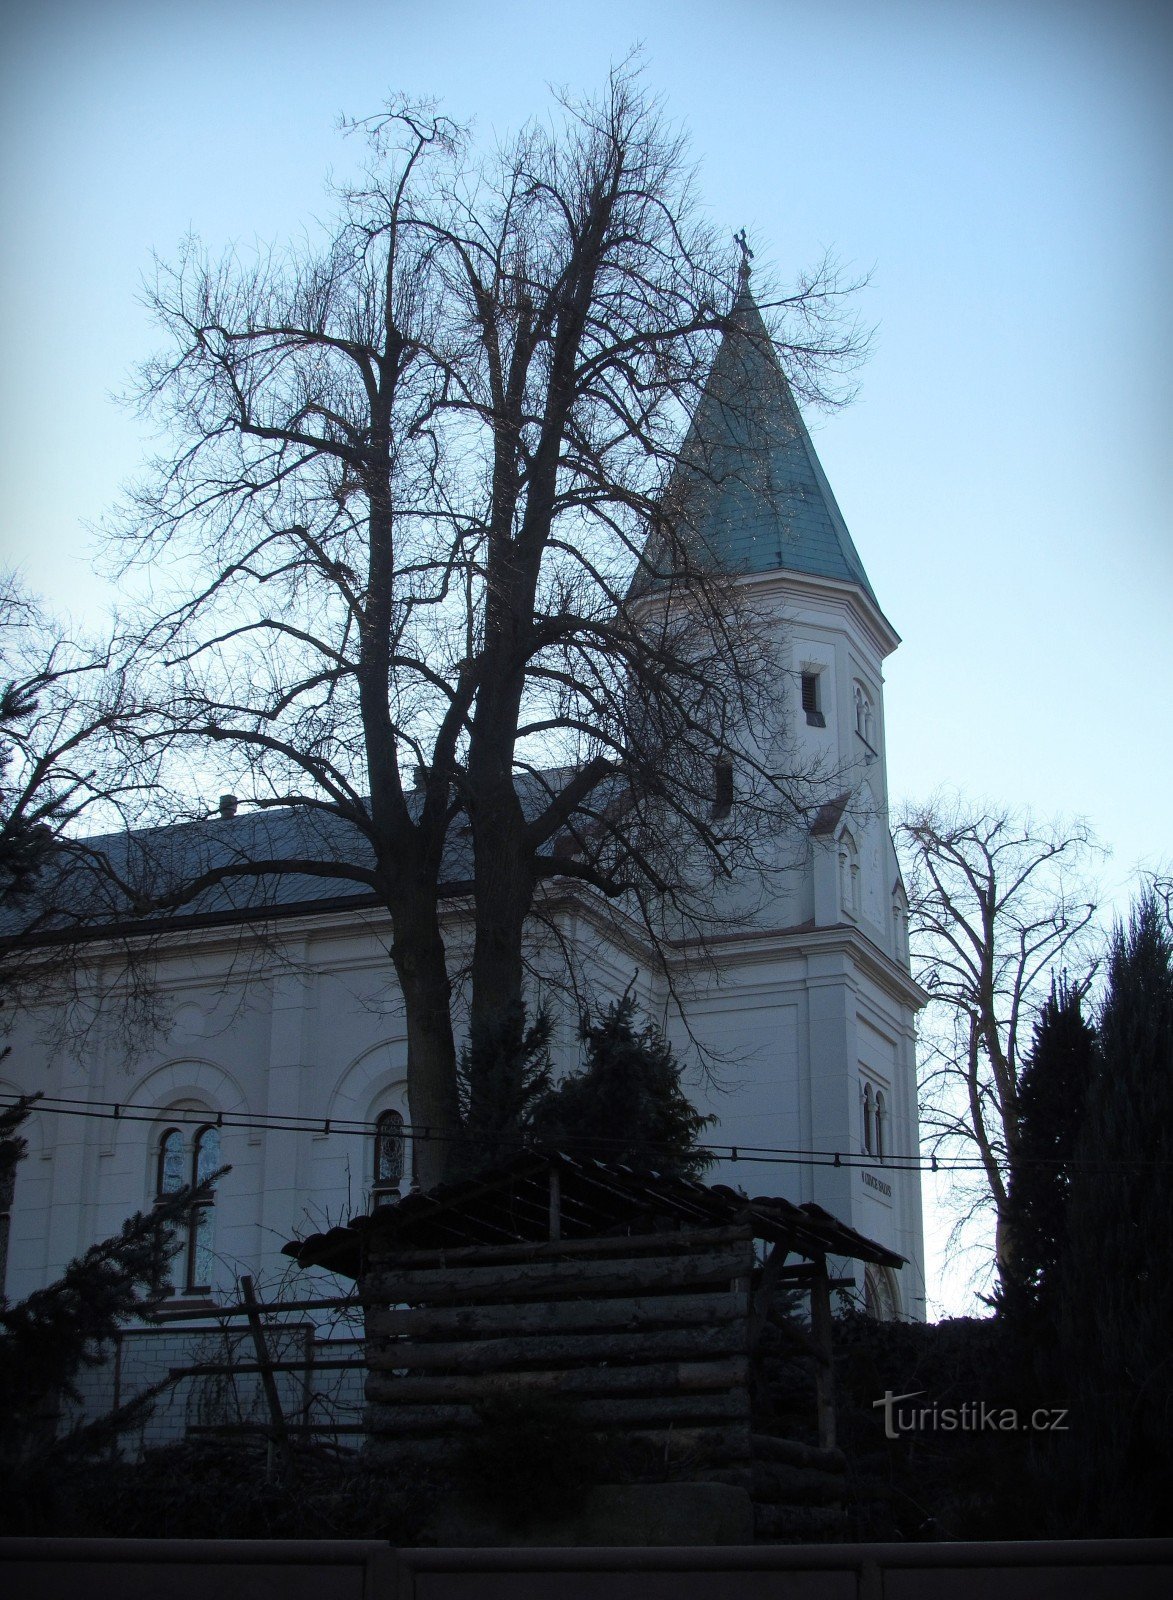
117,1569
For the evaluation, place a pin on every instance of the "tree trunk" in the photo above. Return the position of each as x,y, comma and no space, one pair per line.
504,893
421,966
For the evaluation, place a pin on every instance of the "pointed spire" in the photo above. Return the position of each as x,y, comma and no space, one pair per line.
748,478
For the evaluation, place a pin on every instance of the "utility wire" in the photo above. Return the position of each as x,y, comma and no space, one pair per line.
767,1155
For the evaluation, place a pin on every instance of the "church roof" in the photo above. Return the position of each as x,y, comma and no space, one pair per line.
126,882
749,482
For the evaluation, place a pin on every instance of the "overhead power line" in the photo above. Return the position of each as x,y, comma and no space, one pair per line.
327,1127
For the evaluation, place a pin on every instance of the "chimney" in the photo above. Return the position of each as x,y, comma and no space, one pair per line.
228,804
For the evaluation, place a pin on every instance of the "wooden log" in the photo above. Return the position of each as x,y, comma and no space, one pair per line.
792,1452
678,1448
545,1316
731,1405
462,1285
797,1486
623,1412
408,1452
695,1445
795,1522
489,1355
741,1477
472,1387
621,1246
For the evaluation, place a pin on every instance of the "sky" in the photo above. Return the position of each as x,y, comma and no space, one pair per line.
999,168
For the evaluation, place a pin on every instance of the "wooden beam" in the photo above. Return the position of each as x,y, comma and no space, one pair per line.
763,1296
825,1372
268,1381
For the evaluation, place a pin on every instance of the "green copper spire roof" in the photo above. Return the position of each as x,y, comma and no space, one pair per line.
749,483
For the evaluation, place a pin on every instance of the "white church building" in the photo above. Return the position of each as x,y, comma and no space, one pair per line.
281,1051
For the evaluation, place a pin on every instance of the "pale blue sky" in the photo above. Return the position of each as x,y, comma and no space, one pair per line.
1001,167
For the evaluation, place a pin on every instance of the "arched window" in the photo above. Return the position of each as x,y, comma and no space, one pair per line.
389,1154
864,724
881,1132
866,1112
172,1173
900,922
881,1298
849,874
177,1165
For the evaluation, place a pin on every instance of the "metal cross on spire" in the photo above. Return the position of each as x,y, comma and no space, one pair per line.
744,268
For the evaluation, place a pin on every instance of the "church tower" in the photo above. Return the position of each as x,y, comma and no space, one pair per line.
810,1011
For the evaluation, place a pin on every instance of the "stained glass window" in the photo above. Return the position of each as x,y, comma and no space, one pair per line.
172,1162
388,1152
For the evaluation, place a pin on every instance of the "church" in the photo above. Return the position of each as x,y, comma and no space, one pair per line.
281,1054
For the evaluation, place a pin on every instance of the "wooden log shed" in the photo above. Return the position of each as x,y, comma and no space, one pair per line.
639,1298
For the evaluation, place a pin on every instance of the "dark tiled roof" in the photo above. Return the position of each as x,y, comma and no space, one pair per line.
752,489
597,1198
108,881
99,883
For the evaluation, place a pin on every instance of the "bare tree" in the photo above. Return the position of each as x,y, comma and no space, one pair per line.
73,775
443,589
999,905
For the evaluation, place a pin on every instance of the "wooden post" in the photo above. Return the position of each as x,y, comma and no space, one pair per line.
825,1374
764,1294
269,1382
307,1396
555,1203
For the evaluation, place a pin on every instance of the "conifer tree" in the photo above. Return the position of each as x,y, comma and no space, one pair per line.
1050,1102
627,1105
46,1340
1115,1279
502,1071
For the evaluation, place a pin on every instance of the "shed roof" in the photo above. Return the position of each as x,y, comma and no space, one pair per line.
511,1205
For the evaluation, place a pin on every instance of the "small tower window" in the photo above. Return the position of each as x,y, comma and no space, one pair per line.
873,1112
812,699
866,1114
849,875
864,718
722,786
389,1151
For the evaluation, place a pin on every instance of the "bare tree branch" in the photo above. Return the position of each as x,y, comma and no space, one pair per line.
999,905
